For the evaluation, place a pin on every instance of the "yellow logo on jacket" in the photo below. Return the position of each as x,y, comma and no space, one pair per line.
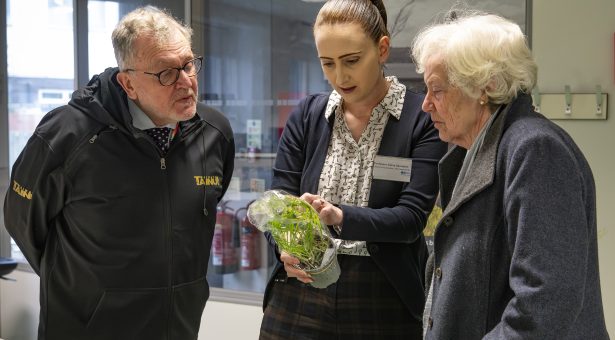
208,181
21,191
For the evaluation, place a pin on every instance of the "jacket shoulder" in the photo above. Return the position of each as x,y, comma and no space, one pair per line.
528,127
314,102
64,127
215,119
414,95
309,111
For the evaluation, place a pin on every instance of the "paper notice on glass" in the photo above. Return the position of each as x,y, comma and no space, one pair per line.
392,168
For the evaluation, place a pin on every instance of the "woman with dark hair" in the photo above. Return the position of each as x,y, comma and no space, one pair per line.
365,157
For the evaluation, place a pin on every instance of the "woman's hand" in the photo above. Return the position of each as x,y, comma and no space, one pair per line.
292,271
328,213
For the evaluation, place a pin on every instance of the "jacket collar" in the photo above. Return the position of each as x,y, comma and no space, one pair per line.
482,173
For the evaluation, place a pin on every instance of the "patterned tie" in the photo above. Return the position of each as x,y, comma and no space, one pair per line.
160,137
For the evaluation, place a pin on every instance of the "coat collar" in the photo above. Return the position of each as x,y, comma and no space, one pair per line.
482,173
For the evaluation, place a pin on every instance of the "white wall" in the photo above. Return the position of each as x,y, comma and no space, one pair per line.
226,321
572,43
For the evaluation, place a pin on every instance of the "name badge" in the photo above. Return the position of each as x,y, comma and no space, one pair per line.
392,168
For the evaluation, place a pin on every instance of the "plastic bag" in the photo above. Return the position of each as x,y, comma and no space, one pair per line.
297,230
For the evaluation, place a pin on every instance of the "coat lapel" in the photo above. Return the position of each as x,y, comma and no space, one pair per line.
479,176
448,170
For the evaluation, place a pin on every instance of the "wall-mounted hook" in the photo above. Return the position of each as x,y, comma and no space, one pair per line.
536,97
598,99
568,96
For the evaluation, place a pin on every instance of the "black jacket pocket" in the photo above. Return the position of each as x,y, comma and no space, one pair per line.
130,314
188,304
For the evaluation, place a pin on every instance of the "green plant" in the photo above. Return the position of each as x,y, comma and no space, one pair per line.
294,225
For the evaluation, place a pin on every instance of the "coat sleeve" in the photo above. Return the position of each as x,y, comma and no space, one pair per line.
549,229
34,198
404,222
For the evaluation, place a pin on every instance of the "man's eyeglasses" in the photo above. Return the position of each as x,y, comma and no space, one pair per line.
170,76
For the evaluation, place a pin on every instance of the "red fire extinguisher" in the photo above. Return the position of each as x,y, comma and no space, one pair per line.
250,242
225,243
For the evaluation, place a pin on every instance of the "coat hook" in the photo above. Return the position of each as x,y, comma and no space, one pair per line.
598,99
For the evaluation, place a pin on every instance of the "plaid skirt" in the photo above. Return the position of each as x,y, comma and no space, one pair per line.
361,305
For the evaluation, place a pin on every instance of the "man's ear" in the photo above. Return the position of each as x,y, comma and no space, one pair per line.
126,82
384,47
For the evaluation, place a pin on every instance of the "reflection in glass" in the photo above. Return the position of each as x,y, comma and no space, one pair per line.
102,18
40,68
260,61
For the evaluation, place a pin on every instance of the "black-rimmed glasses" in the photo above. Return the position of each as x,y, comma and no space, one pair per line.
170,76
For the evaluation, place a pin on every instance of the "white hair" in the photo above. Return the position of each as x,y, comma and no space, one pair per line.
480,52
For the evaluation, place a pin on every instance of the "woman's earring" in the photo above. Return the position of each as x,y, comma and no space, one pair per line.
482,102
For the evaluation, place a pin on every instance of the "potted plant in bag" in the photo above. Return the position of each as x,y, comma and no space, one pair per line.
297,230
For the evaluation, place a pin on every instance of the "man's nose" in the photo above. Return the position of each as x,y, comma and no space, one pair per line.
184,80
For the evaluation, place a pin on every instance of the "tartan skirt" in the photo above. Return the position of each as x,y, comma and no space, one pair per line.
362,304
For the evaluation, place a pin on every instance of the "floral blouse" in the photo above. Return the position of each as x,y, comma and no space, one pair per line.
346,175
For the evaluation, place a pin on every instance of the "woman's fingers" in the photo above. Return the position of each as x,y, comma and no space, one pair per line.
290,265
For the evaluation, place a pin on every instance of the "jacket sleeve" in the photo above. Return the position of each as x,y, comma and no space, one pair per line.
34,198
405,221
549,232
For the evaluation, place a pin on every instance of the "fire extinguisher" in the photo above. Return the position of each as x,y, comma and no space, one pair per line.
225,241
250,242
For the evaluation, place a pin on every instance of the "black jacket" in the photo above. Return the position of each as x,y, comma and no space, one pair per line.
393,222
116,230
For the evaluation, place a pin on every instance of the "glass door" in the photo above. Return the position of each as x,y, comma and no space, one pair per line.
260,60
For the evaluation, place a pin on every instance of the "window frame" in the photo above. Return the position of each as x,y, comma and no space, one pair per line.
5,240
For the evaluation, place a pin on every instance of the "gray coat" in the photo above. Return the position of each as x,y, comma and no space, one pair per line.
516,253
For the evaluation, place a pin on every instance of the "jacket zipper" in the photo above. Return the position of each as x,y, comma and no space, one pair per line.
83,144
163,162
169,238
163,166
103,130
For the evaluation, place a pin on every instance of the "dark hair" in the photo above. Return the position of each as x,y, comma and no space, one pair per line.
370,14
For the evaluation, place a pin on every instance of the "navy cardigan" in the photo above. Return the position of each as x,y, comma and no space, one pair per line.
393,222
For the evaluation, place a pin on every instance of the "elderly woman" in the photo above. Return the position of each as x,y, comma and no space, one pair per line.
515,253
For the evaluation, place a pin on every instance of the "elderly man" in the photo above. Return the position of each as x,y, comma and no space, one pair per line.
106,201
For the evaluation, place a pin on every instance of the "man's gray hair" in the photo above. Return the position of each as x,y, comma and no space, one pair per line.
144,21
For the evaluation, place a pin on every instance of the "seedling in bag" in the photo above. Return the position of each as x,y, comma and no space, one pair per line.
297,230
